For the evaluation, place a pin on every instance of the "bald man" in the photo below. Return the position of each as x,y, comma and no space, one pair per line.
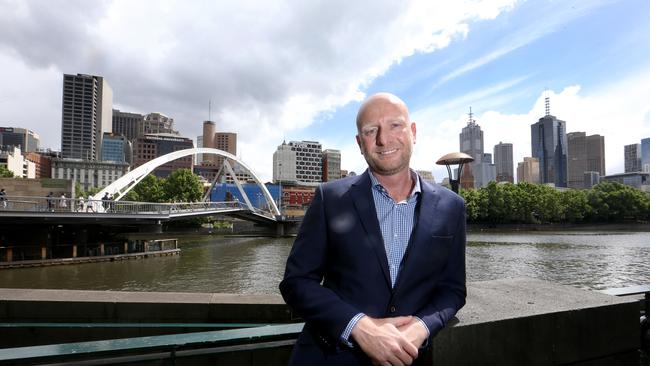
378,266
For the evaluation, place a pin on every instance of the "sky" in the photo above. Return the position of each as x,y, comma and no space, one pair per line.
298,70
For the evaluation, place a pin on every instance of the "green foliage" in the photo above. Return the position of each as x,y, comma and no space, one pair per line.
5,173
149,189
534,204
183,186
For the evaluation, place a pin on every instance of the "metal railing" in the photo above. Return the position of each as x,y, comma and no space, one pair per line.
152,348
81,205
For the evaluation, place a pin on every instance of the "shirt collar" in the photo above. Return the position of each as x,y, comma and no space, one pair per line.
414,176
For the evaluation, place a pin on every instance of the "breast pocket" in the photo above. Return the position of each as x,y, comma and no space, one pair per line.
437,250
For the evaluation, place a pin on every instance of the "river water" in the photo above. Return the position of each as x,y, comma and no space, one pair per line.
590,260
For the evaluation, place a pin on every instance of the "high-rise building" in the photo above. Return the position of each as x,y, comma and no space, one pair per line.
149,147
26,140
331,165
528,170
117,148
87,114
198,158
645,155
481,169
127,124
308,166
14,160
632,158
225,141
284,164
584,154
209,130
503,162
591,179
155,123
549,145
471,139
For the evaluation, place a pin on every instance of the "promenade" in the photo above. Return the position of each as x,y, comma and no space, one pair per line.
505,322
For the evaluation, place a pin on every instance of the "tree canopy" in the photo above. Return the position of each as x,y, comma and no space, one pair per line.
534,204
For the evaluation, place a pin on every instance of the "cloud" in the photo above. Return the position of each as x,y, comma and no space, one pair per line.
536,29
619,111
268,68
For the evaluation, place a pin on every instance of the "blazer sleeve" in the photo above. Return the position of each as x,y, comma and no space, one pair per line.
307,264
449,295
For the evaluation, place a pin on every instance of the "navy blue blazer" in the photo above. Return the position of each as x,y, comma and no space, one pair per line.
338,267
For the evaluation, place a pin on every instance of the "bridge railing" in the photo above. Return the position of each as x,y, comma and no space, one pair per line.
81,205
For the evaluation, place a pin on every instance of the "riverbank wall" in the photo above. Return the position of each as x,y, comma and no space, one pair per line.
505,322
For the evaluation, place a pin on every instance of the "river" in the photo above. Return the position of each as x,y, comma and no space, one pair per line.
590,260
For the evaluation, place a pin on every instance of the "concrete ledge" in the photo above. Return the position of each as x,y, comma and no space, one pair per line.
505,322
532,322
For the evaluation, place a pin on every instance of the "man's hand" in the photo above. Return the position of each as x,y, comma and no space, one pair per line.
414,331
383,342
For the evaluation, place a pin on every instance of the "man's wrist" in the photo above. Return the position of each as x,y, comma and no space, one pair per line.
345,336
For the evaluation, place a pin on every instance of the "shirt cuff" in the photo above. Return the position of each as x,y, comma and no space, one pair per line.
345,336
426,342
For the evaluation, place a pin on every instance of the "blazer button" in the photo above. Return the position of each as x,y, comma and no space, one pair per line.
393,309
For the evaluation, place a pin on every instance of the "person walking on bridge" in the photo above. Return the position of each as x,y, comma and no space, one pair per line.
378,266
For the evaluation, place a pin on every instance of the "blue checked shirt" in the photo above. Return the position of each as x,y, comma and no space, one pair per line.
396,221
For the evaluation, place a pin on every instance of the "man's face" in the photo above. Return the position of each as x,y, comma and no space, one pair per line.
386,136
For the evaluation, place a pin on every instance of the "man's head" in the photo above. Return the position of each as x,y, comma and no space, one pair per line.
385,134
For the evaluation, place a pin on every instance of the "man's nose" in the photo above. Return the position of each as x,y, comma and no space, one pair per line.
382,137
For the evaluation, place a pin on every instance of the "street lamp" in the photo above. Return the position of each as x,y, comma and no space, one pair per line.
453,159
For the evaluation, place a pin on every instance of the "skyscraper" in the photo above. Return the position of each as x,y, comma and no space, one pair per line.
645,155
127,124
471,139
549,145
471,143
632,158
298,161
22,138
528,170
331,165
503,162
87,114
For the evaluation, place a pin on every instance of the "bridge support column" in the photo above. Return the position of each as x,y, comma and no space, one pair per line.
43,252
10,254
279,229
126,247
74,250
101,248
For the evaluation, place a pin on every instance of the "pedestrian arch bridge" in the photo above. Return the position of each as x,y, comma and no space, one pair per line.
124,184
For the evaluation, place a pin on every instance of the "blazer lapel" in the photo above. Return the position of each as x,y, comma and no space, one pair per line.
365,205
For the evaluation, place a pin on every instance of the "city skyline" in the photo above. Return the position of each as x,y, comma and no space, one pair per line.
302,78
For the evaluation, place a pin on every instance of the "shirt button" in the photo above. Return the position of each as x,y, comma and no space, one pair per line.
393,309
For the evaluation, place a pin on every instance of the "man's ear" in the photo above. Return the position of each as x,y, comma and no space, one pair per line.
359,144
413,130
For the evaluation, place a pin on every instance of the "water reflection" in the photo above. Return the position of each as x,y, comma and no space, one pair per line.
592,260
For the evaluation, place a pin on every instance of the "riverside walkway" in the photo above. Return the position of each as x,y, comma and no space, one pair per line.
505,322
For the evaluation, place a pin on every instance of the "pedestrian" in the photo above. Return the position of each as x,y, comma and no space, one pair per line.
3,198
378,266
81,204
90,204
106,202
50,201
63,203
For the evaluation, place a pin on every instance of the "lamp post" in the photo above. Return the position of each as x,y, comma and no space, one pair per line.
453,159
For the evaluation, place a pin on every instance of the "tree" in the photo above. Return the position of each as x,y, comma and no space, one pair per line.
182,186
5,173
149,189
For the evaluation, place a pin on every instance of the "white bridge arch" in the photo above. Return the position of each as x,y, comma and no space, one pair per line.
125,183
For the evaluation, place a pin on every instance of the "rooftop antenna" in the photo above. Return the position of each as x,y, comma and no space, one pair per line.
547,103
471,117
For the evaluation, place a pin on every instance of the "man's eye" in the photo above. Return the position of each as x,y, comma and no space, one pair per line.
370,132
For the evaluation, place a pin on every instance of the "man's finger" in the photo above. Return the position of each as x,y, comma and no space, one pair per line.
398,321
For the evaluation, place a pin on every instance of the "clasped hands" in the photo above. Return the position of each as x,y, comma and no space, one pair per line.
390,341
